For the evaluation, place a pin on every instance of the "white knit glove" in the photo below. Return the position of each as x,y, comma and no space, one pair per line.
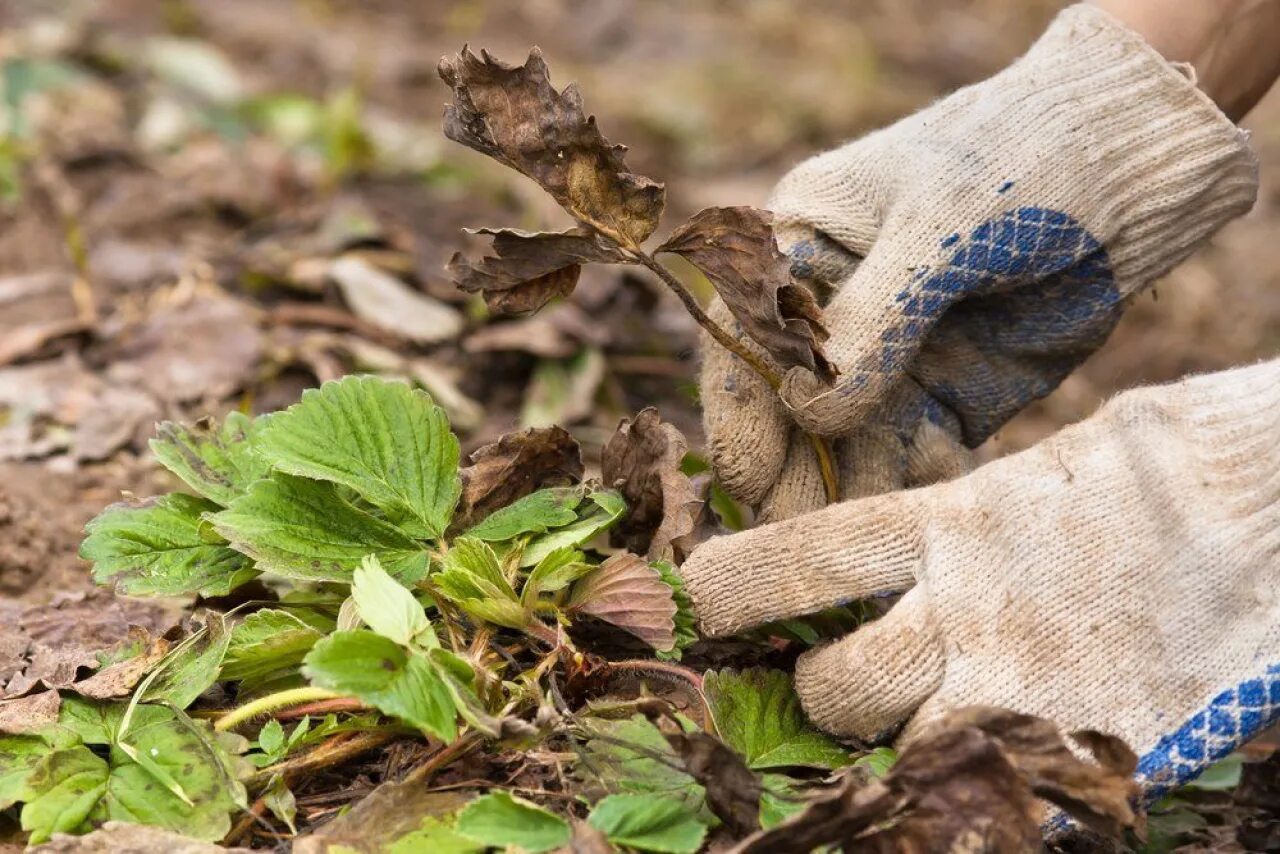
1001,231
1123,576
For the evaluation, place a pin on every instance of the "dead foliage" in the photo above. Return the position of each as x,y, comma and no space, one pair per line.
516,465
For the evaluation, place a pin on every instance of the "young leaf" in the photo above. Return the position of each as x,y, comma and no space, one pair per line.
268,642
500,820
650,824
514,115
382,439
217,461
686,633
736,249
388,677
630,594
529,269
387,607
554,572
758,714
63,791
304,529
642,461
608,509
533,514
279,798
271,739
189,670
472,579
501,473
158,548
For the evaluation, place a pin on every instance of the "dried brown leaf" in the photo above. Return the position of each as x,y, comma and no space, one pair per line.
117,837
529,269
514,466
119,679
628,593
31,712
733,789
642,461
588,840
736,250
514,115
969,784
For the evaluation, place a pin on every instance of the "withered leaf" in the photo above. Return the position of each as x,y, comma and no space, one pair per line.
30,712
530,268
642,461
968,784
514,466
736,250
628,593
514,115
733,789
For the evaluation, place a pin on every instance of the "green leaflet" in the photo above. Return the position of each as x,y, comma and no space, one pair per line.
500,820
388,608
303,529
624,756
189,670
384,440
533,514
878,761
164,771
65,788
472,579
554,572
650,824
161,548
19,756
437,836
388,677
269,642
217,461
604,511
758,714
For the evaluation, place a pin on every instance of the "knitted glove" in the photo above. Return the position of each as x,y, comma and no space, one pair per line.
1000,232
1123,576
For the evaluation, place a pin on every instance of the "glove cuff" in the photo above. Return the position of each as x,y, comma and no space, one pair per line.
1164,166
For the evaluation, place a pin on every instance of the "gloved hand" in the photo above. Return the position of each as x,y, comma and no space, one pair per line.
974,254
1123,576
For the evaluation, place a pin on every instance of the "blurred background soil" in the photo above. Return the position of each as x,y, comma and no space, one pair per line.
210,204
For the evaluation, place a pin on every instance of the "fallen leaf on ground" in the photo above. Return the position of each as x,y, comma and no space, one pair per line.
529,269
514,466
969,783
563,391
733,789
117,837
31,712
514,115
642,461
557,333
389,812
736,250
388,303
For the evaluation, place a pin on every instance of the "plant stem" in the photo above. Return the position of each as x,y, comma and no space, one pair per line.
334,751
271,702
320,707
821,445
440,758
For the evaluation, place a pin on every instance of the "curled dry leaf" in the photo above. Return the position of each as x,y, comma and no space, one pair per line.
733,789
628,593
514,115
642,461
736,250
529,269
970,783
31,712
517,464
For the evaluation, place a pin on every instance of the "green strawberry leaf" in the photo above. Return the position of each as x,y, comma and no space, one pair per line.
387,606
499,820
437,836
758,714
633,756
382,439
271,738
535,513
217,461
63,791
472,579
162,548
554,572
20,755
603,512
269,642
193,666
304,529
664,825
385,675
878,761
